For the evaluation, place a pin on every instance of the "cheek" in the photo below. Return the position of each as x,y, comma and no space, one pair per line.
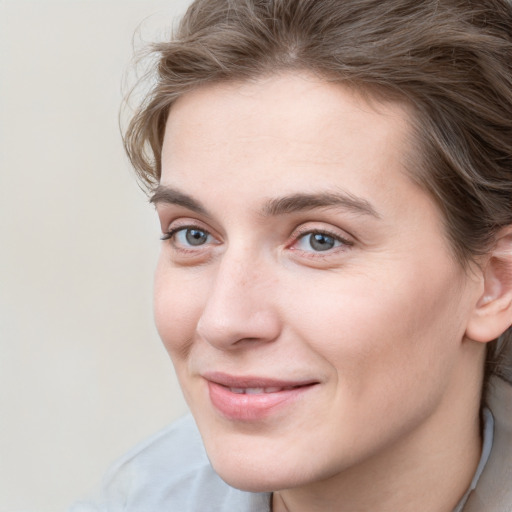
177,307
387,331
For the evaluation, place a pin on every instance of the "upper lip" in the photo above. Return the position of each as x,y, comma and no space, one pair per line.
250,381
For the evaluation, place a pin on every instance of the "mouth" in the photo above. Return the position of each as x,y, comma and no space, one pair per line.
259,391
250,399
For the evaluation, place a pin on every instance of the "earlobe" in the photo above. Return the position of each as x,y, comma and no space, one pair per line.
492,314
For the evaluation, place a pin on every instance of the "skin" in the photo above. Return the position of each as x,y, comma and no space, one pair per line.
378,321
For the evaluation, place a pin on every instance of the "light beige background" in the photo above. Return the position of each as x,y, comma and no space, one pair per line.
82,373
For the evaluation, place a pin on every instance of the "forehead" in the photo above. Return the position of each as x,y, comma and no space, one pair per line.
287,129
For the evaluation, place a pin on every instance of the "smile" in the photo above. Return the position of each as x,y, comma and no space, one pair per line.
251,399
259,391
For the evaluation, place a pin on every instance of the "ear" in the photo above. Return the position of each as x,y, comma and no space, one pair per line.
492,314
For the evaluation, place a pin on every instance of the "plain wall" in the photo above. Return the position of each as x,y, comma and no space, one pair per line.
83,375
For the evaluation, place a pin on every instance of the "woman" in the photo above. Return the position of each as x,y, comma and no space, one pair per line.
333,181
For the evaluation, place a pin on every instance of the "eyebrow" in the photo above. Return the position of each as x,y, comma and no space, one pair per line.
278,206
300,202
167,195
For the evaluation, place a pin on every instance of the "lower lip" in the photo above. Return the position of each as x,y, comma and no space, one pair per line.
249,407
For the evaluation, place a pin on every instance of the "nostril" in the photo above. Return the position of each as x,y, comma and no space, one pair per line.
236,331
237,311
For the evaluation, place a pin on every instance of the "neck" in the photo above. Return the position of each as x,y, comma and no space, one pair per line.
429,470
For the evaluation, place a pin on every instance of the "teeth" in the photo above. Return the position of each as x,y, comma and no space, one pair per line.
257,391
254,391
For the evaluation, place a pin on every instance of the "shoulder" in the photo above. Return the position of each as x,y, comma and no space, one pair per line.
170,471
493,492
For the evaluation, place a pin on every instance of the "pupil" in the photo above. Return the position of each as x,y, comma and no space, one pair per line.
195,237
321,242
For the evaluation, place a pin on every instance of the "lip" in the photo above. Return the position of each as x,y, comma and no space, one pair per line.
228,396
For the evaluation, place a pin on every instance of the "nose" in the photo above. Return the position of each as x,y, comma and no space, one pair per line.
240,308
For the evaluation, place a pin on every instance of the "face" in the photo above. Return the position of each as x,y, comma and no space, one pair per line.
305,291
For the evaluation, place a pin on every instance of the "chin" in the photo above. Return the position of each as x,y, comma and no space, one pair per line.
256,474
254,479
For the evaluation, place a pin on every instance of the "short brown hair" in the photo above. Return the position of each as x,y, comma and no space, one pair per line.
451,60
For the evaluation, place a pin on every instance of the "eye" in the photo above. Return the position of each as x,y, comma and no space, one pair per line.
319,241
192,236
188,236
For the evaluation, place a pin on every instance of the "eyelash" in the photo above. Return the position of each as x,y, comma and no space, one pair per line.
297,236
172,232
302,233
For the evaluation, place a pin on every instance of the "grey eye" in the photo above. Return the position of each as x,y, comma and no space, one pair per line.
321,242
194,237
191,237
318,241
